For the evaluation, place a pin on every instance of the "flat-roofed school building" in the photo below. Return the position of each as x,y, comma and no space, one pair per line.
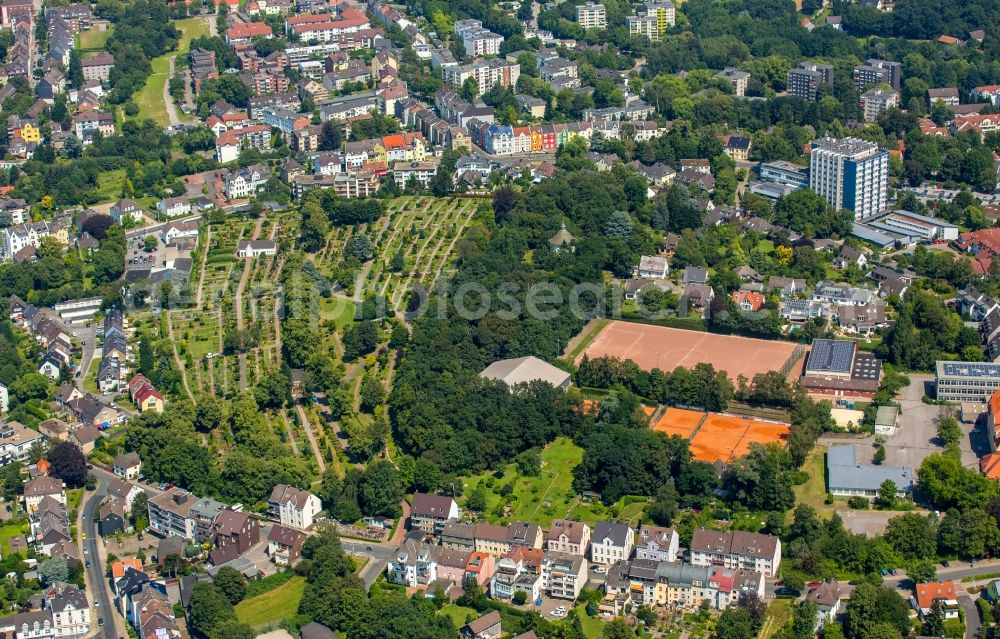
966,381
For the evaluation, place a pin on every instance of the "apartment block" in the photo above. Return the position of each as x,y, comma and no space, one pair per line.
487,74
878,72
851,174
804,80
736,550
875,102
591,16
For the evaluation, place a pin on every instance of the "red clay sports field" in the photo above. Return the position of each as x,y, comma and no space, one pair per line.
667,348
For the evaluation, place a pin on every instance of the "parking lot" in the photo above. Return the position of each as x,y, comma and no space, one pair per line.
137,256
916,437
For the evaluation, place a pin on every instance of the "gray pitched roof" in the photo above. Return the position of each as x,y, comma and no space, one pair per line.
618,533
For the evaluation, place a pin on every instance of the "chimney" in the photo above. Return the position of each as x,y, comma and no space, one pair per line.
180,498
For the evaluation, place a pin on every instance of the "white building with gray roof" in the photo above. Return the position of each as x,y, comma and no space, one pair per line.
526,369
847,477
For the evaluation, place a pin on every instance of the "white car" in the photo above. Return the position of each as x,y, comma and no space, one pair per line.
558,613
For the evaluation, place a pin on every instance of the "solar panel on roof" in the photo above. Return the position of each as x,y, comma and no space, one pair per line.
971,369
831,355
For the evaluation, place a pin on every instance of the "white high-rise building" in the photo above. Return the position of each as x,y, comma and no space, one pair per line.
591,16
850,173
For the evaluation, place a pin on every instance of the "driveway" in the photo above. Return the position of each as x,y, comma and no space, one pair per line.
86,334
972,622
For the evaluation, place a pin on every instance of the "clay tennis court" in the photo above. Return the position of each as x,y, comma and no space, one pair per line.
719,437
679,421
667,348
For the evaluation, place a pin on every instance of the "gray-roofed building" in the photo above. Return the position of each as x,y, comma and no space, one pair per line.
846,476
430,512
315,630
526,369
694,275
740,550
611,542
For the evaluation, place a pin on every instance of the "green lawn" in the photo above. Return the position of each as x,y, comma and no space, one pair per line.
94,40
150,99
190,28
813,492
110,184
274,606
549,496
779,613
592,627
338,309
535,499
458,614
90,377
10,530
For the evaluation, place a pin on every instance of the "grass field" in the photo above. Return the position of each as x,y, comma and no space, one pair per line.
779,613
274,606
191,28
6,532
813,492
458,614
340,310
150,99
535,499
592,628
94,40
109,185
549,496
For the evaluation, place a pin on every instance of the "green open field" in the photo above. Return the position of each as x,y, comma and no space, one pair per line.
813,492
535,499
274,606
457,613
7,531
150,99
94,40
592,627
779,613
549,496
191,28
110,184
340,310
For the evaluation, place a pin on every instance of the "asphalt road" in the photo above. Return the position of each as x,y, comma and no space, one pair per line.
95,571
378,554
99,584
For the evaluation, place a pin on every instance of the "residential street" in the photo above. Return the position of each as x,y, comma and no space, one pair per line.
98,586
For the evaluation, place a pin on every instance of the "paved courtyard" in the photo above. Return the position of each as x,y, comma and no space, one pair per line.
916,437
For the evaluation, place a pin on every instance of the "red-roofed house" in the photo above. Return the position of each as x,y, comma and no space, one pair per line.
989,465
984,245
989,92
929,127
245,32
943,591
148,398
947,39
978,122
118,568
748,300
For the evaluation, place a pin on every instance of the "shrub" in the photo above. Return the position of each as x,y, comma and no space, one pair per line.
858,503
